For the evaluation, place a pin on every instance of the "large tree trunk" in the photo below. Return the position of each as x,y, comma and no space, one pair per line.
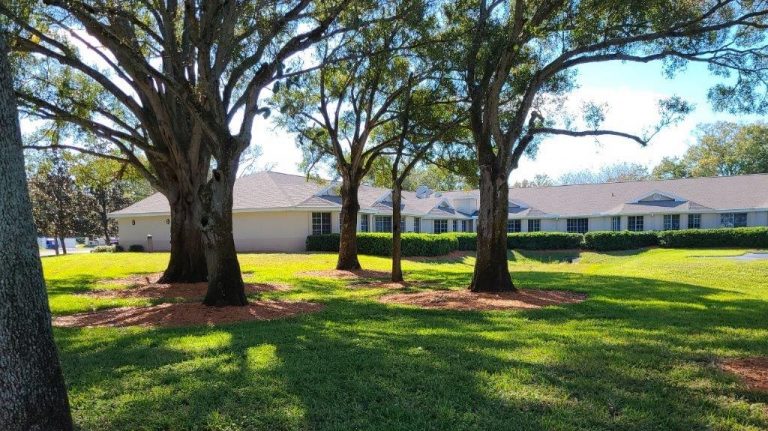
350,206
187,263
32,391
225,282
63,245
397,270
491,266
103,214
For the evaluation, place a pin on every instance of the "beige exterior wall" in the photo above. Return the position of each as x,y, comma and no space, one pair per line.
287,230
134,231
272,231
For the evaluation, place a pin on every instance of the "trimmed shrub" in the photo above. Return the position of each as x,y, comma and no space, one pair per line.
544,241
751,237
136,248
328,242
466,241
104,249
623,240
380,244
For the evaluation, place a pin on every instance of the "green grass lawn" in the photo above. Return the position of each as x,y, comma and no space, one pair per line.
637,355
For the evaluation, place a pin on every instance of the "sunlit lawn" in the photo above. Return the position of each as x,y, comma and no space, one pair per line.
637,355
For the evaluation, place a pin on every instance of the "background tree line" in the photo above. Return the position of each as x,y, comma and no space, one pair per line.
73,194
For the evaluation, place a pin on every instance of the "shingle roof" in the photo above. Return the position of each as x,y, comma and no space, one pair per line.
266,190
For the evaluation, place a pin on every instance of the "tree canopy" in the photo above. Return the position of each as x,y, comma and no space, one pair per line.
722,149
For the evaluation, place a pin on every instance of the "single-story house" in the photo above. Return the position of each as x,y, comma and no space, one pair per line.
276,212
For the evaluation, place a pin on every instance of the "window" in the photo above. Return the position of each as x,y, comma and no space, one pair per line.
364,223
616,223
534,225
441,226
455,225
467,226
733,220
671,222
417,225
514,226
694,221
321,223
577,225
383,223
402,224
635,223
471,224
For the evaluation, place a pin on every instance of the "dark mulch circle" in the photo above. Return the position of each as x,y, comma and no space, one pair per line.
186,314
752,371
467,300
363,284
343,274
177,290
143,286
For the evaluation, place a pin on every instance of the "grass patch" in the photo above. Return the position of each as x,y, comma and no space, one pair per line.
637,355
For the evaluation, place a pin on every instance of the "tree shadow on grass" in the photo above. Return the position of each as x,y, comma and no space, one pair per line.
624,359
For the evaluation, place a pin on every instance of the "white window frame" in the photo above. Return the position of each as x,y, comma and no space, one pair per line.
616,223
534,225
694,221
729,219
440,225
671,221
636,223
380,222
321,223
577,225
514,226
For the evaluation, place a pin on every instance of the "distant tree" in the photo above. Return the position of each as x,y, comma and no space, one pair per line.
539,180
60,207
424,122
722,149
32,388
337,111
424,173
111,186
670,168
619,172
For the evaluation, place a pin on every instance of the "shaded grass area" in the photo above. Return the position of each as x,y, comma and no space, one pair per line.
638,354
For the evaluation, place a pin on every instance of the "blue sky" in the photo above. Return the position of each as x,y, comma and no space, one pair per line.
630,90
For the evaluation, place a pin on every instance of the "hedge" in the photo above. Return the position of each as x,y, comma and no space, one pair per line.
544,241
380,244
136,248
527,240
622,240
418,244
108,249
466,241
749,237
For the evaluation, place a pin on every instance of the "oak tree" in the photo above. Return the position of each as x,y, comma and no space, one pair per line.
518,60
32,391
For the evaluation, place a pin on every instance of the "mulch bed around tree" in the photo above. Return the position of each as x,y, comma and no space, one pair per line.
343,274
143,287
186,314
378,285
466,300
753,371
